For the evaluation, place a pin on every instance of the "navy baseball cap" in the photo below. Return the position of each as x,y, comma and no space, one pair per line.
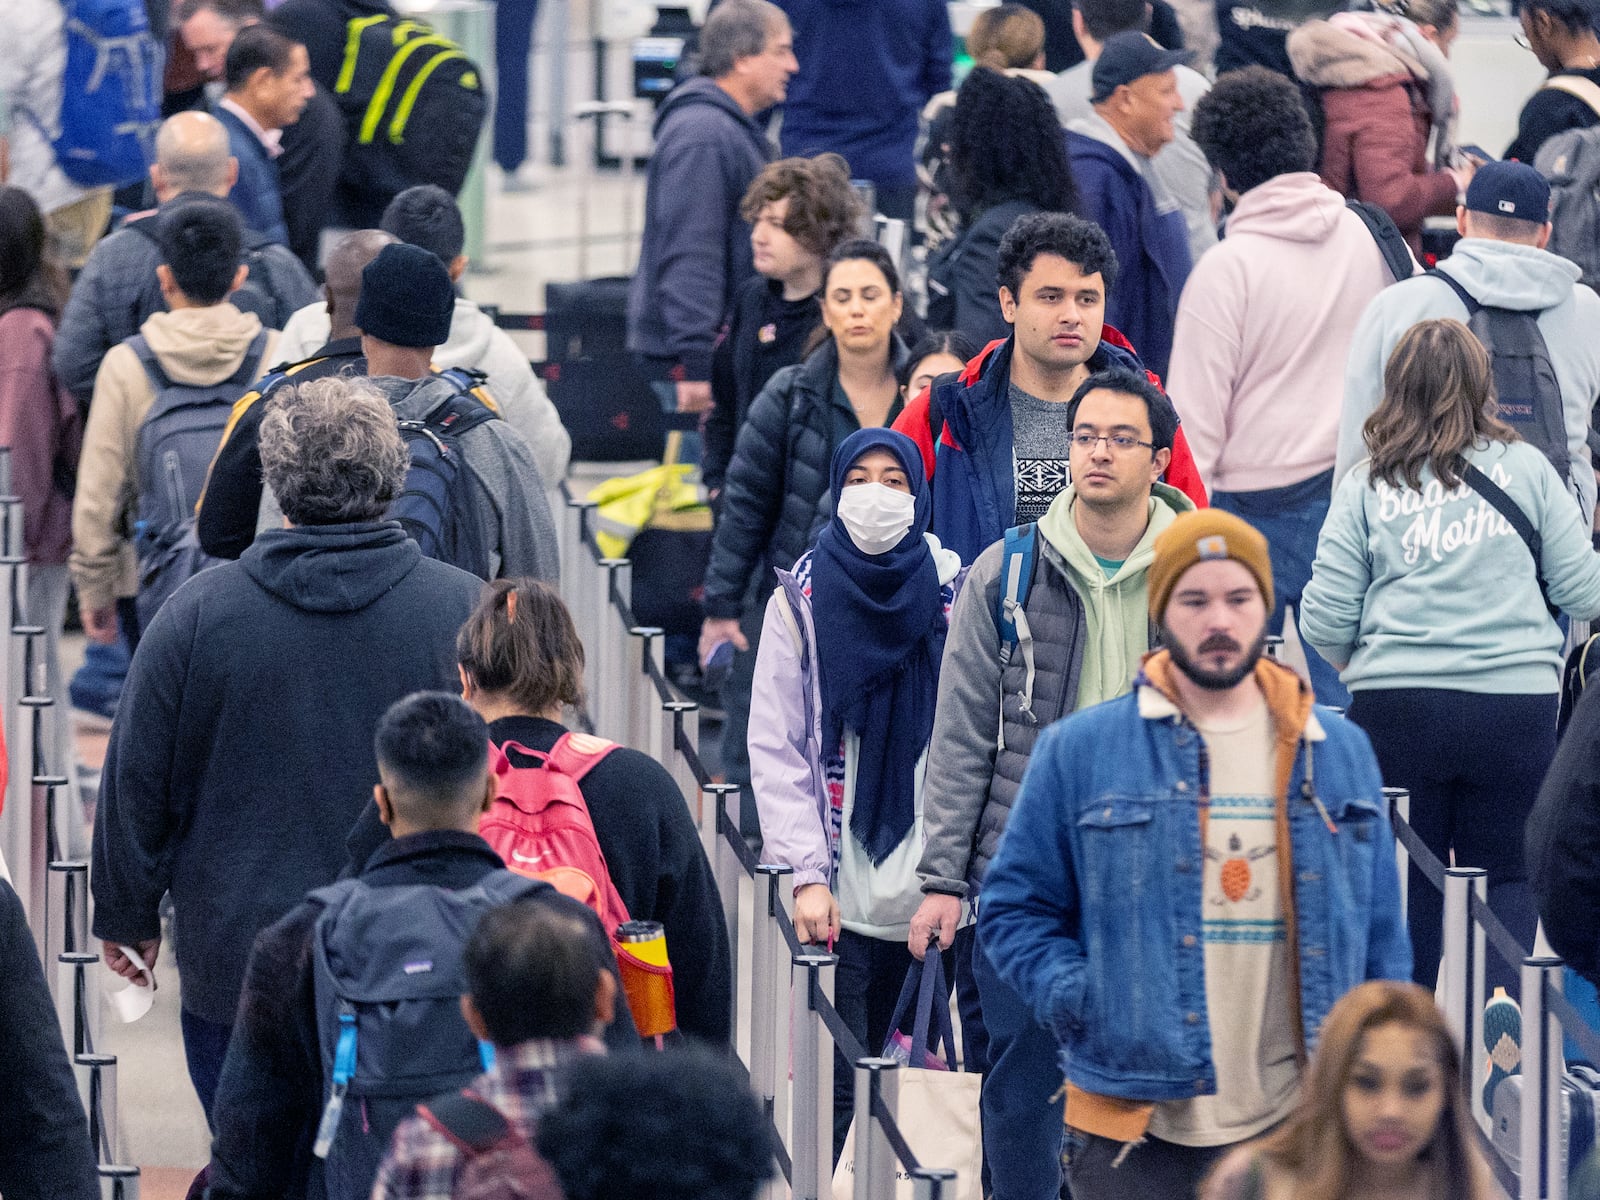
1509,189
1129,56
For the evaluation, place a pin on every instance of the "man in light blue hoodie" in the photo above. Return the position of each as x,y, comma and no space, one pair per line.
1501,262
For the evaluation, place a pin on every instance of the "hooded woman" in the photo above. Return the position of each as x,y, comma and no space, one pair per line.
842,711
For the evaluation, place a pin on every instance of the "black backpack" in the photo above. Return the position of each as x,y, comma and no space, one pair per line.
413,104
1524,378
437,508
262,293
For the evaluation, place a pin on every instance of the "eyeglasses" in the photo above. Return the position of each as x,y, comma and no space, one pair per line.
1121,443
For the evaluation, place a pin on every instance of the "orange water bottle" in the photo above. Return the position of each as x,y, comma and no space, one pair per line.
641,948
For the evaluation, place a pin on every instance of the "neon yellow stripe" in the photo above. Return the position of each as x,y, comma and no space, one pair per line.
402,114
352,49
385,88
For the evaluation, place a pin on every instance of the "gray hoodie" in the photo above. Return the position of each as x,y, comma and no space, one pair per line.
1498,274
514,512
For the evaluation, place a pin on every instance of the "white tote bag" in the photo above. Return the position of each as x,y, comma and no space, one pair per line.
937,1112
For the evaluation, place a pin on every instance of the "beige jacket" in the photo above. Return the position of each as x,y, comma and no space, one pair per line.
194,346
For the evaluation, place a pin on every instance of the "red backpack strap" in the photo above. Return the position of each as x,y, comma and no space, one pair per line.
576,754
470,1123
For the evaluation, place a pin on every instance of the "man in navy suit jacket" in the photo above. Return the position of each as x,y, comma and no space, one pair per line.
268,78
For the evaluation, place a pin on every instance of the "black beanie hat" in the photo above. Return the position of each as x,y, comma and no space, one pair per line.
406,298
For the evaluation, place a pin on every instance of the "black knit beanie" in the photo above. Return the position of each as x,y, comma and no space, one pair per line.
406,298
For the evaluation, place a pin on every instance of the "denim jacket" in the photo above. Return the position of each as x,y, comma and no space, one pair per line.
1092,908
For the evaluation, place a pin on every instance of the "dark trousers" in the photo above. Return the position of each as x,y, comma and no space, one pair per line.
513,41
205,1045
1152,1168
1290,518
1473,763
1022,1102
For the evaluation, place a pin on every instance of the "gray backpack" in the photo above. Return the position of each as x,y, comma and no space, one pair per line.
388,978
1571,162
177,441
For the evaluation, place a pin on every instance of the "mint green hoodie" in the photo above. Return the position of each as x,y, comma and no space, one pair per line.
1116,610
1433,589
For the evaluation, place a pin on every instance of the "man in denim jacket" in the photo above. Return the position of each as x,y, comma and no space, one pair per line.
1192,875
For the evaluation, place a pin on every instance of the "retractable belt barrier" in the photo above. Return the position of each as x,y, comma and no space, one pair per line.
35,836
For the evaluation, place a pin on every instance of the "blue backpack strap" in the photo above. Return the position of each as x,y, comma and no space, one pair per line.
148,360
1017,562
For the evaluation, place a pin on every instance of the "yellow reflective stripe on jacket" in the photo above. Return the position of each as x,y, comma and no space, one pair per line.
352,50
397,127
385,88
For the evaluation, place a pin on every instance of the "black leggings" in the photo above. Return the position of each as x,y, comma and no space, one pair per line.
1473,763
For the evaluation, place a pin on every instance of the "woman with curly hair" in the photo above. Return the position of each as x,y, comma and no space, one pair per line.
1384,1113
1007,159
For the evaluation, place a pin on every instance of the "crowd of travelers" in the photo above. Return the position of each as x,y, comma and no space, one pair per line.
1215,450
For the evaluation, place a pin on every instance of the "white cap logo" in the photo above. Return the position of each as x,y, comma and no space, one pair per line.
1505,206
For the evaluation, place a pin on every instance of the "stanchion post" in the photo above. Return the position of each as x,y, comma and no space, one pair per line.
644,730
72,1001
1400,810
118,1182
582,585
611,702
1555,1070
725,868
97,1088
875,1162
684,714
765,945
1455,966
1477,997
783,1014
1539,1148
811,1143
66,912
30,880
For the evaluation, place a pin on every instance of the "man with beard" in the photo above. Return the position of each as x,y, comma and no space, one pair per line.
1034,636
1191,876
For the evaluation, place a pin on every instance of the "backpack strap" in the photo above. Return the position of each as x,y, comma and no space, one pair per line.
1576,85
469,1122
1391,244
1517,519
148,360
1017,562
471,382
1467,298
250,365
462,409
576,754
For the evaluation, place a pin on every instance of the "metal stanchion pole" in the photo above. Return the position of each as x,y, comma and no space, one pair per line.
1540,1159
725,866
20,791
766,942
875,1164
1477,997
97,1088
1555,1069
811,1144
118,1182
66,913
72,1001
582,586
1455,966
644,732
611,704
933,1183
1400,810
684,714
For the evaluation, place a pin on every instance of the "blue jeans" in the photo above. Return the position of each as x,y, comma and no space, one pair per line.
205,1045
1290,518
513,41
1022,1102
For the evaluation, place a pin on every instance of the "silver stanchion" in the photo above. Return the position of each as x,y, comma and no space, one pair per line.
772,880
580,584
1456,962
644,648
73,1009
610,701
66,909
811,1144
97,1088
725,868
933,1183
1477,997
5,470
118,1182
875,1164
30,883
1400,810
1542,1151
684,713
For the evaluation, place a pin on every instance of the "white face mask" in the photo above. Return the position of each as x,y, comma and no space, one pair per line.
876,517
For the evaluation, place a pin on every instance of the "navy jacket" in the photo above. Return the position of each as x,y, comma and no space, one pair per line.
256,193
1152,247
696,250
867,68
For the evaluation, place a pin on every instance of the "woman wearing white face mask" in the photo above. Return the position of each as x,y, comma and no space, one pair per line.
841,714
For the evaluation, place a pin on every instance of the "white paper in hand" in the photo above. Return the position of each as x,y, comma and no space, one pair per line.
132,1001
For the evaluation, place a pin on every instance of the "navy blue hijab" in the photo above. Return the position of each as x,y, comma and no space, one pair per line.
881,628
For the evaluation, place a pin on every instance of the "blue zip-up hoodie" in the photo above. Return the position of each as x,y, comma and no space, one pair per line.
867,68
1151,241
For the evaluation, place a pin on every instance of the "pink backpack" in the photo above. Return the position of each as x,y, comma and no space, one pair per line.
540,826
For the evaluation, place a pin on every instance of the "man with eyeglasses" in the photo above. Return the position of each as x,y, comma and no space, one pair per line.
1032,638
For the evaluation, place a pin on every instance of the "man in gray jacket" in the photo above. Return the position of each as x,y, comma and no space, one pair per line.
1082,629
117,290
404,314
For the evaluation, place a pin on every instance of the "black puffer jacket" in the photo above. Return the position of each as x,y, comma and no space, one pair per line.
775,498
